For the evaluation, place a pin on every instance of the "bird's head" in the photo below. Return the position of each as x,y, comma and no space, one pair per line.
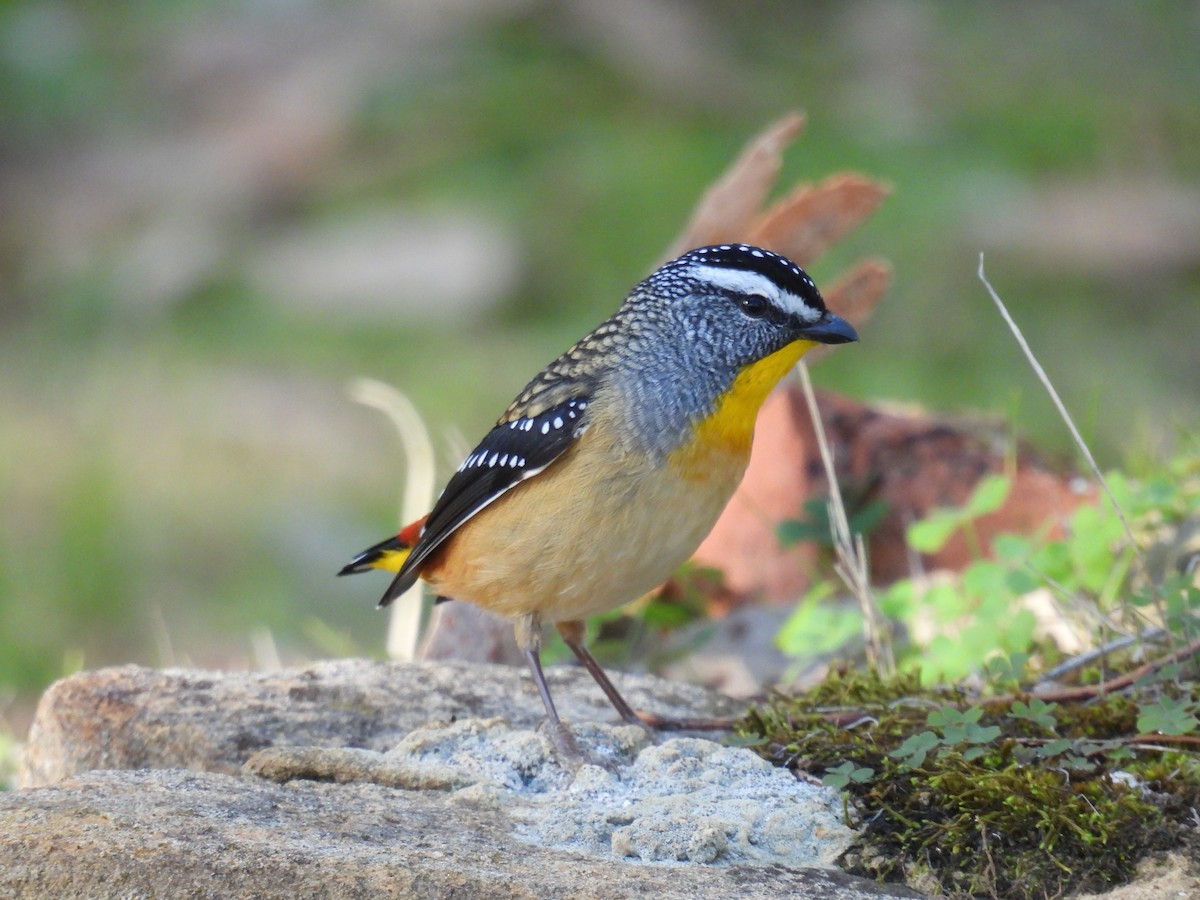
738,304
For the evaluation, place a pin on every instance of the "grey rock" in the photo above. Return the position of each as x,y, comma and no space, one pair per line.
131,717
173,833
365,779
682,800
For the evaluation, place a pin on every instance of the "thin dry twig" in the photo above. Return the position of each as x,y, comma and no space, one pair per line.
1058,404
1075,435
850,550
1089,691
1090,656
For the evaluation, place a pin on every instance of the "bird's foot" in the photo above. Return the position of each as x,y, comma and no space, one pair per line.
606,747
565,749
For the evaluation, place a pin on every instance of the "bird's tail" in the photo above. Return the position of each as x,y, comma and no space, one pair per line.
388,554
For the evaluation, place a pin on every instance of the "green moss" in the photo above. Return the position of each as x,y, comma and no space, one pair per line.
1009,797
1008,829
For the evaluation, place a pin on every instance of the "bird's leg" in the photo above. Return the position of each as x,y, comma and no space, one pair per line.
529,640
572,635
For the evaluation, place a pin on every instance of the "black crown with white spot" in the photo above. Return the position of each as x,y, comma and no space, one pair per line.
779,269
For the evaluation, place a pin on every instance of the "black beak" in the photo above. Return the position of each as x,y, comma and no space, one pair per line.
829,329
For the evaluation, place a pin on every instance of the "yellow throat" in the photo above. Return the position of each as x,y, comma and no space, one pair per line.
730,427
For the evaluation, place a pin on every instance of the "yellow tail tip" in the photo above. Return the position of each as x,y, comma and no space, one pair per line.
387,555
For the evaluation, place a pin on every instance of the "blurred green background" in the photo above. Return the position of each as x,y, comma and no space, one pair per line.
214,215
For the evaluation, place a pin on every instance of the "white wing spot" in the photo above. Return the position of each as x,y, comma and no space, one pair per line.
492,461
558,422
545,428
504,460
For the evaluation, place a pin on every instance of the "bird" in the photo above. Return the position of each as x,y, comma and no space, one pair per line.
613,463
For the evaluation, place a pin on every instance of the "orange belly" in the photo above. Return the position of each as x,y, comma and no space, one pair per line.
563,551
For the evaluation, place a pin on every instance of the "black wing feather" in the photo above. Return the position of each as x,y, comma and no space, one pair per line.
510,453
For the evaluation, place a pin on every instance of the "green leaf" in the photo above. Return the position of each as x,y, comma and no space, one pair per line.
1037,711
1012,548
1168,716
948,715
847,773
1182,600
983,734
1094,534
814,526
817,627
1145,597
666,615
915,748
1007,668
867,518
989,495
986,578
1054,748
946,602
1157,494
1054,561
900,600
962,727
1078,763
931,533
1017,632
793,531
1021,582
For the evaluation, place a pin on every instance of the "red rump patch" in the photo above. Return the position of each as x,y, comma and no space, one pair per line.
411,533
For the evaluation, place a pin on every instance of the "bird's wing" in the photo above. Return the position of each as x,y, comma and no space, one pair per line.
518,448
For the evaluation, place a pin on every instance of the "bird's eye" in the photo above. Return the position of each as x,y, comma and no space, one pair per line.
753,305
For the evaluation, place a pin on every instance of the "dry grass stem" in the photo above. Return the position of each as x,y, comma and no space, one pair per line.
1070,423
264,650
849,550
404,627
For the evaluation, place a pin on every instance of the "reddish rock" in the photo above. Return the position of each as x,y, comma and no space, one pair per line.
911,461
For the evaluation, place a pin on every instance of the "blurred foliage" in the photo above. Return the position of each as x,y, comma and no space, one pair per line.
1093,580
179,467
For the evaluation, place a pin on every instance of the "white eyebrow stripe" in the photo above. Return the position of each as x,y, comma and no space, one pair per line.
744,281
